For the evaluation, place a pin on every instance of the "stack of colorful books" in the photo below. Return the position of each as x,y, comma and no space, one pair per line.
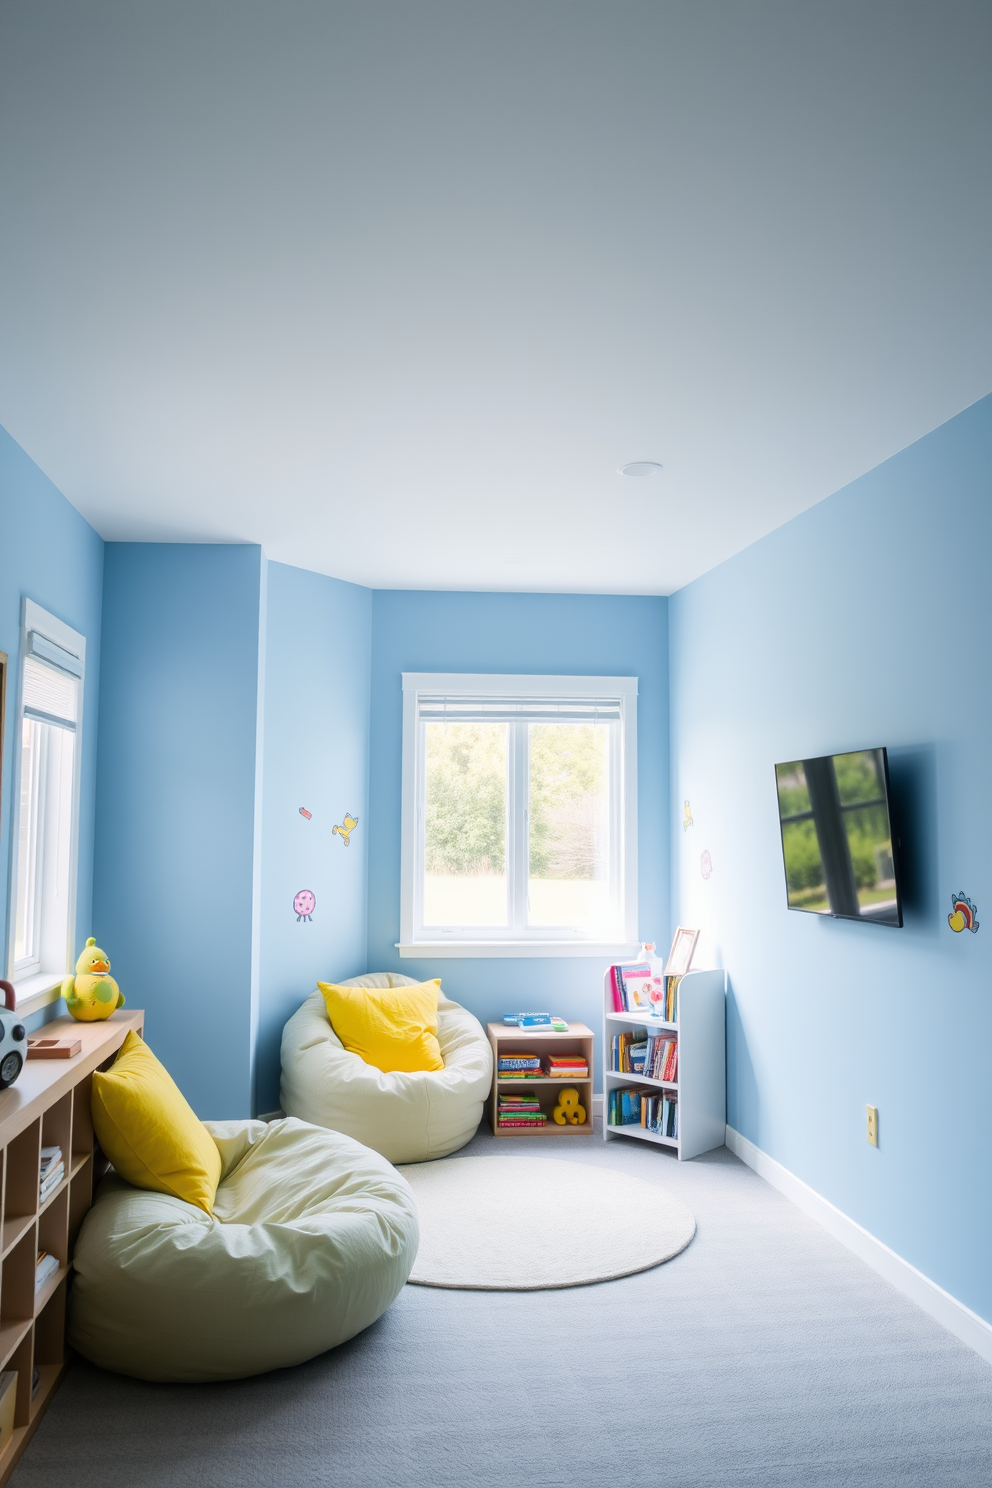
658,1113
566,1066
519,1111
518,1066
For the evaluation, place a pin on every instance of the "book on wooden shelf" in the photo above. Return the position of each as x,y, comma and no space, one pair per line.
540,1022
572,1067
519,1110
518,1064
44,1266
52,1171
562,1066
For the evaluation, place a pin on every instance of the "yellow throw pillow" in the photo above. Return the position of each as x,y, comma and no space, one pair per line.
393,1028
149,1131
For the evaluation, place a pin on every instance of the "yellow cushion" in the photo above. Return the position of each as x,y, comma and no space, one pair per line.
149,1131
393,1028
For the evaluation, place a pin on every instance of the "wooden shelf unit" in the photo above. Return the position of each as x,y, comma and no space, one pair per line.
507,1040
49,1105
702,1076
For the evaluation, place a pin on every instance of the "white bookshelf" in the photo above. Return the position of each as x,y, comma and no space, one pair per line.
702,1070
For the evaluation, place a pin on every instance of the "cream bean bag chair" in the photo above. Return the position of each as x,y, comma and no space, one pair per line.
407,1117
311,1239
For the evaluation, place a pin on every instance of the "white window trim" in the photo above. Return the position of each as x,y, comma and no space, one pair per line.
472,684
45,986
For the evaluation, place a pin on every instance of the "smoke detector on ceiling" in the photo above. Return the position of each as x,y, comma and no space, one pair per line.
639,468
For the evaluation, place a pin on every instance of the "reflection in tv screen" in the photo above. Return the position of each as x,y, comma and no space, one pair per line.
837,836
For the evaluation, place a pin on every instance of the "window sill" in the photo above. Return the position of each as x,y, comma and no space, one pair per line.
464,950
38,991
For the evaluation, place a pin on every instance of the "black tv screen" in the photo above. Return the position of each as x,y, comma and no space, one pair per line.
837,836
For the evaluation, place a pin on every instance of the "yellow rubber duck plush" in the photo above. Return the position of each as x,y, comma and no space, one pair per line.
568,1109
92,994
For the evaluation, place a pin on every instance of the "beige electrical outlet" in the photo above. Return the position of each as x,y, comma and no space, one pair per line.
873,1125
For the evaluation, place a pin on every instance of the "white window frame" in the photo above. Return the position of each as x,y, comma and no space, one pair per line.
36,987
531,941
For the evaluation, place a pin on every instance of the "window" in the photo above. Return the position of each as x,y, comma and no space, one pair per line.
519,815
46,795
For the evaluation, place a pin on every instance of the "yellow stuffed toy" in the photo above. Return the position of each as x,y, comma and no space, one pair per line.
91,994
568,1109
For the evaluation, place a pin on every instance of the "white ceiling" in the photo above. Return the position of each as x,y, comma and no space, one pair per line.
393,288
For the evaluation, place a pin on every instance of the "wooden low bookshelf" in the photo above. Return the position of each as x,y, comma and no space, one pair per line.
49,1105
509,1040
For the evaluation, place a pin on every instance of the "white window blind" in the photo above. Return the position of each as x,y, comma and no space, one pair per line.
50,694
459,708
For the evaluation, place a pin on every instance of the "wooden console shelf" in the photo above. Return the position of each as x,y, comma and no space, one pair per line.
49,1105
506,1039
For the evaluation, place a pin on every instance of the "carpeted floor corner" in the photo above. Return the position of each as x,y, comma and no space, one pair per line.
764,1356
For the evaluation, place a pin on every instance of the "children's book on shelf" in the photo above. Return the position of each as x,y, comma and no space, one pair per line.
628,1051
661,1060
52,1170
519,1066
635,989
550,1021
519,1111
655,1055
567,1066
638,982
44,1267
655,1112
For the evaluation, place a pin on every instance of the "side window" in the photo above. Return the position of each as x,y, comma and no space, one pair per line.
46,800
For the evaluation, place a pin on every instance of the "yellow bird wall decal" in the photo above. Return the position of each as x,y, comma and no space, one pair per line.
345,831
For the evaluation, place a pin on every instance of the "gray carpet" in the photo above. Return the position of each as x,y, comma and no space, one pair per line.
765,1355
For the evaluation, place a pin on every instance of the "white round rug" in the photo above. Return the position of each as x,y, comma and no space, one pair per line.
521,1224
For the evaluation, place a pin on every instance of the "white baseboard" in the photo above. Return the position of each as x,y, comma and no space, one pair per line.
597,1105
947,1310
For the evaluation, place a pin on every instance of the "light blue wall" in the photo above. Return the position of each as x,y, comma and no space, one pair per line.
866,621
175,874
568,635
317,675
49,554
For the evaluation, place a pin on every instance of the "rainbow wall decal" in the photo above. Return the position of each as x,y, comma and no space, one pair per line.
963,915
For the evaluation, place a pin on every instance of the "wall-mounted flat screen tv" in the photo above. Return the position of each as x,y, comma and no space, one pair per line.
837,836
